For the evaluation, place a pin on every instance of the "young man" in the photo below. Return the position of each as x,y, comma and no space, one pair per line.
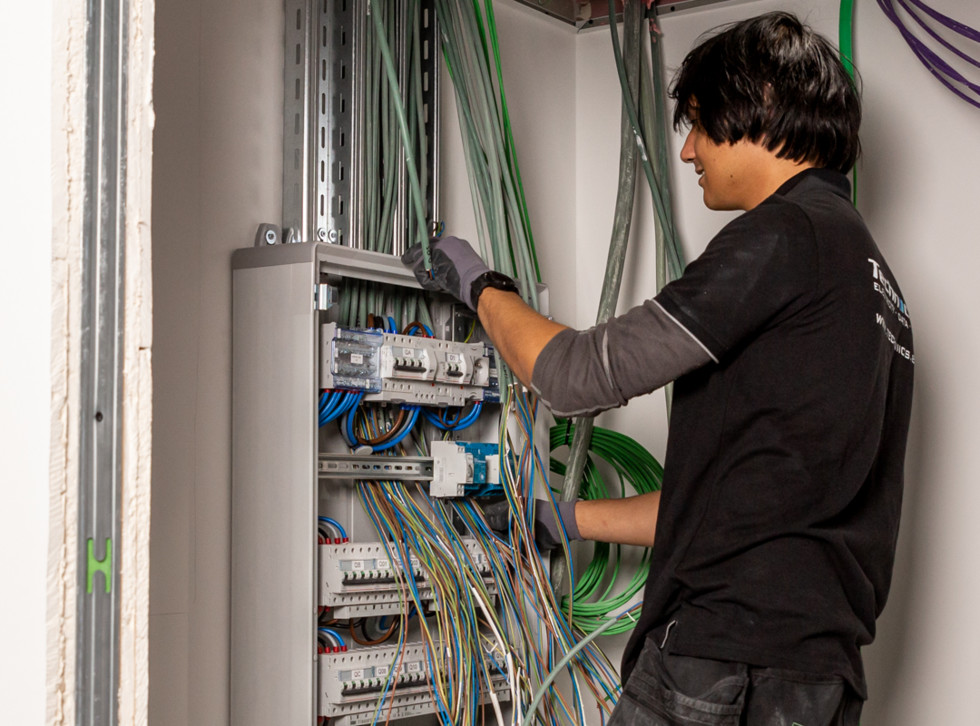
791,348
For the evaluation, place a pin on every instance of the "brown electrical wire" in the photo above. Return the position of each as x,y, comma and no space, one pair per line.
418,326
387,435
384,636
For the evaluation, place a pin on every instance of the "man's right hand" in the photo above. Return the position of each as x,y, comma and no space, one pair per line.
455,265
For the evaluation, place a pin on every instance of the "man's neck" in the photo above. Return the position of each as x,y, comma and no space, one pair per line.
767,174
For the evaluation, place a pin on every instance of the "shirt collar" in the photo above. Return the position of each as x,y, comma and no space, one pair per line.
813,178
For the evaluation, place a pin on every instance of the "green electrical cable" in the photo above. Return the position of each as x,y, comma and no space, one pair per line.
846,32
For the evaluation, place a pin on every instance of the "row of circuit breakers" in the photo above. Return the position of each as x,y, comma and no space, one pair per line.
362,580
407,369
358,580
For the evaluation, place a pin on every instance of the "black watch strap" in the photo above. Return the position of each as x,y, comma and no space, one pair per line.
491,278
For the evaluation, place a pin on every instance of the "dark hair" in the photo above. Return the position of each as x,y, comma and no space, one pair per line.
771,79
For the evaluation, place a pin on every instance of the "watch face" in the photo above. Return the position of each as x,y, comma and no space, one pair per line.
500,281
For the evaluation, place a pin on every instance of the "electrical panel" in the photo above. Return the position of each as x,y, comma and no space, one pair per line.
314,559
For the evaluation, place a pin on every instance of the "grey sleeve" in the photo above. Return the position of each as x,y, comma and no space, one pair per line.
580,373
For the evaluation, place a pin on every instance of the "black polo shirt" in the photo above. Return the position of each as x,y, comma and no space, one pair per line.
783,475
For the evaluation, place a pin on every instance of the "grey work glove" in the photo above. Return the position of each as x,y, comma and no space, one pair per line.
547,529
455,265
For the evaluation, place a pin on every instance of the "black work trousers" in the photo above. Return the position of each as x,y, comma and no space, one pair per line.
675,690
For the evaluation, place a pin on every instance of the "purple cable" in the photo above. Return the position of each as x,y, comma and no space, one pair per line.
954,25
941,40
935,65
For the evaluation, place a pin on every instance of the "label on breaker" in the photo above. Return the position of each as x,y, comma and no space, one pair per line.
357,565
357,359
381,671
382,564
413,666
454,358
357,674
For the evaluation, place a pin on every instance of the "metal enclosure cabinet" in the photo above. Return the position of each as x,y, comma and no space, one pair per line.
274,471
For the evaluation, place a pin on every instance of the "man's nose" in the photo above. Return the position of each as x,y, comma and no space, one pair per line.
687,151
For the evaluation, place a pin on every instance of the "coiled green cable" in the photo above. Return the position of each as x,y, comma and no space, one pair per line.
599,590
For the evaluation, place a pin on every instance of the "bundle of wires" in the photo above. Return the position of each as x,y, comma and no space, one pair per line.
598,592
650,134
329,641
503,226
942,30
394,148
328,525
647,131
371,305
473,641
386,432
391,174
335,403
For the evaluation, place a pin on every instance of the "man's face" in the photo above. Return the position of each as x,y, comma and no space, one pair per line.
726,172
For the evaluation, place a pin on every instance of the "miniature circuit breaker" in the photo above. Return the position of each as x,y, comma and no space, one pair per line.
365,685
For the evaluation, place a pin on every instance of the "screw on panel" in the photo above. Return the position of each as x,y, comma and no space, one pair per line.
267,234
321,234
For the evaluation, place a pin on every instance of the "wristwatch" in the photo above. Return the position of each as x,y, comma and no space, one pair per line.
491,278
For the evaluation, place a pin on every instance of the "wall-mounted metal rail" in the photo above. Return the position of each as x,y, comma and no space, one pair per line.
100,413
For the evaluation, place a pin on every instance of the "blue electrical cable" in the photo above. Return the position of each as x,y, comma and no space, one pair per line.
334,404
335,635
414,327
334,523
443,423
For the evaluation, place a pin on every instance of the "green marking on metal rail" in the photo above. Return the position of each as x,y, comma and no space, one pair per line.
104,565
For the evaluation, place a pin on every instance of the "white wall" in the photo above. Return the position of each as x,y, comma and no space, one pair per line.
217,151
217,176
25,319
917,189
